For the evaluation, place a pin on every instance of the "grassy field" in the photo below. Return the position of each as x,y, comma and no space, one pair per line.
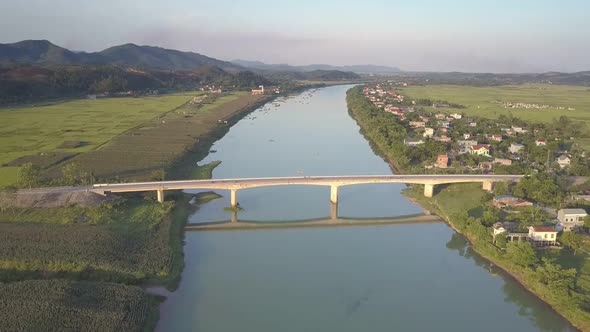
159,143
116,138
31,130
51,132
483,101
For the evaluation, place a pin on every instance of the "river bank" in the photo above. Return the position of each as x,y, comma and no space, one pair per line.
384,148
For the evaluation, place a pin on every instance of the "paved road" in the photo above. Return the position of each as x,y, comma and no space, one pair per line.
235,184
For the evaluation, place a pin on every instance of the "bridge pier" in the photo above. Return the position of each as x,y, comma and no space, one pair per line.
334,194
333,211
428,190
160,194
233,198
488,185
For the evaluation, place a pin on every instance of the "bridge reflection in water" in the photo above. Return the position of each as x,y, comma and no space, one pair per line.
235,223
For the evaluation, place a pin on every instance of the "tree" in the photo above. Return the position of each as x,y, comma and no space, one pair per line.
521,253
501,241
555,277
70,173
158,175
572,240
28,175
501,188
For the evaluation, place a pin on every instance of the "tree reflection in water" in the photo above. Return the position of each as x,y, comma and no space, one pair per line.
528,305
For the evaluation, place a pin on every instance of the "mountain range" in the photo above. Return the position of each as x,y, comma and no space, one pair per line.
43,52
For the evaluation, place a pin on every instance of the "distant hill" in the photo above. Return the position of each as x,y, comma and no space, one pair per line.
43,52
314,75
359,69
26,83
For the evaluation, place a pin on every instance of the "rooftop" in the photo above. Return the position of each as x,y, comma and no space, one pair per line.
543,229
574,211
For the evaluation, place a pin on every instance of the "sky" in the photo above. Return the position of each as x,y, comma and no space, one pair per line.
418,35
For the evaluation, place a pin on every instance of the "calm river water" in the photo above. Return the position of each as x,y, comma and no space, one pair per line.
407,277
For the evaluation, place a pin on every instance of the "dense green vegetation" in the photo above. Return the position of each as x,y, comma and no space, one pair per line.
88,242
61,305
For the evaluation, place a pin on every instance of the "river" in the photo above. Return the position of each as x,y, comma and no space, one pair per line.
405,277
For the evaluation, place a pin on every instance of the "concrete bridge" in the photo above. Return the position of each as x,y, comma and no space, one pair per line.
334,182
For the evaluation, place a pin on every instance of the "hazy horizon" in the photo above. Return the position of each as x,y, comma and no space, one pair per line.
425,35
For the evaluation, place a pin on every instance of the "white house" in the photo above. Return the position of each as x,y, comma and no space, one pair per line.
515,147
498,229
413,142
519,130
570,219
542,236
467,136
563,160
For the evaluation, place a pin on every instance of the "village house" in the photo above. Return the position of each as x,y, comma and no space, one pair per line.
543,236
519,130
472,124
498,228
456,116
444,124
417,124
443,138
504,162
570,219
440,116
515,147
506,229
480,149
413,142
465,145
467,136
504,201
428,132
563,161
442,161
258,91
497,138
540,142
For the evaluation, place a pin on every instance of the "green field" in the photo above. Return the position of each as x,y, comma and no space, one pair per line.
73,126
482,101
30,130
